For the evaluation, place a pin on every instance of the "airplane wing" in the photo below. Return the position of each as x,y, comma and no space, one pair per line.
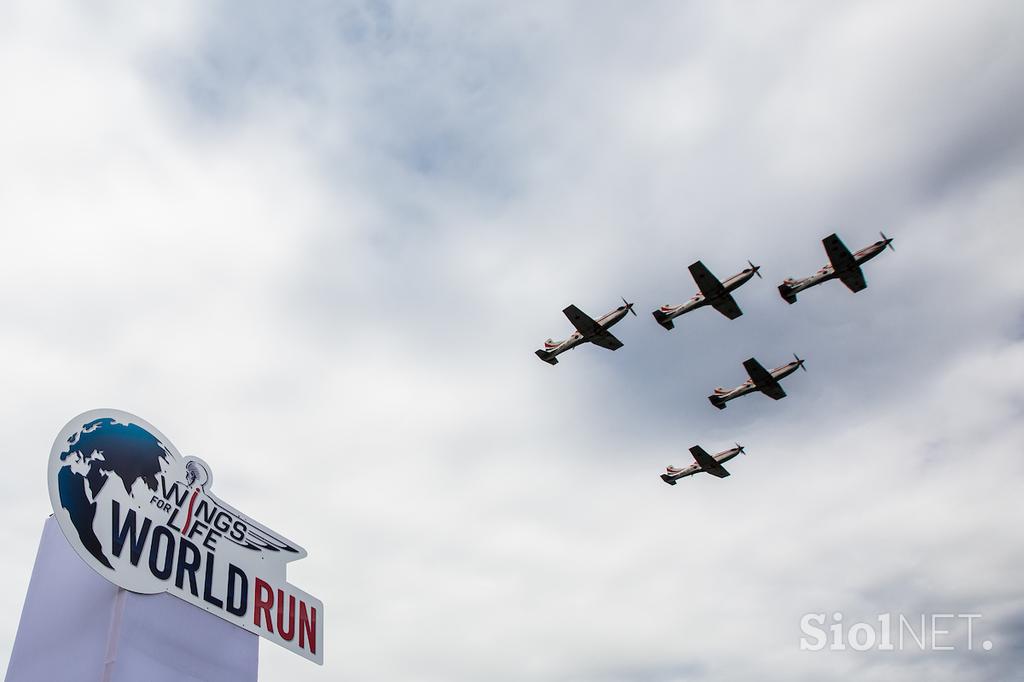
707,462
606,340
706,282
726,305
853,279
763,379
583,322
773,391
838,254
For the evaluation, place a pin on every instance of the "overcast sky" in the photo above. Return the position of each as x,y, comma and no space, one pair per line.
316,244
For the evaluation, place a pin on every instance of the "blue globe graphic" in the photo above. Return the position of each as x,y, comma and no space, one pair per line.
109,449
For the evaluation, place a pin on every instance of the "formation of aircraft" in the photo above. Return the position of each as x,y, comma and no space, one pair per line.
712,292
587,330
702,461
760,380
842,265
716,293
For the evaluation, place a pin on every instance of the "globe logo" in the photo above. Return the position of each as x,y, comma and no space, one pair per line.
102,450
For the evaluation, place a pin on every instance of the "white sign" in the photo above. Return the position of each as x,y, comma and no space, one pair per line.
143,517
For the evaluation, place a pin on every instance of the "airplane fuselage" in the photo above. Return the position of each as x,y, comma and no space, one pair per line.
577,338
672,474
724,396
827,271
698,300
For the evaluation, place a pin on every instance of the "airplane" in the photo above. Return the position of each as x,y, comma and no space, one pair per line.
760,380
842,264
587,329
712,292
712,464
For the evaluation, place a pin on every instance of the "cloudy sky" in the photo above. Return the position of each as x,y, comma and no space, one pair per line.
317,243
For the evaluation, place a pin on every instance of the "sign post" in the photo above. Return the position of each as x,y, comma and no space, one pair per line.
77,627
146,527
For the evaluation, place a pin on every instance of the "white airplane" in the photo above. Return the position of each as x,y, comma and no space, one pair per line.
587,329
712,292
712,464
842,265
760,380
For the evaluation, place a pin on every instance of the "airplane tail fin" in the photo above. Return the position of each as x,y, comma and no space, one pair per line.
668,479
717,401
547,357
663,320
787,294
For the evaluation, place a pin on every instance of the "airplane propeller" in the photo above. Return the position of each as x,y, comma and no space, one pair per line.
755,268
799,362
629,307
887,240
741,449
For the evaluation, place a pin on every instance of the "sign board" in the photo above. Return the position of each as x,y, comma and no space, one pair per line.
143,517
